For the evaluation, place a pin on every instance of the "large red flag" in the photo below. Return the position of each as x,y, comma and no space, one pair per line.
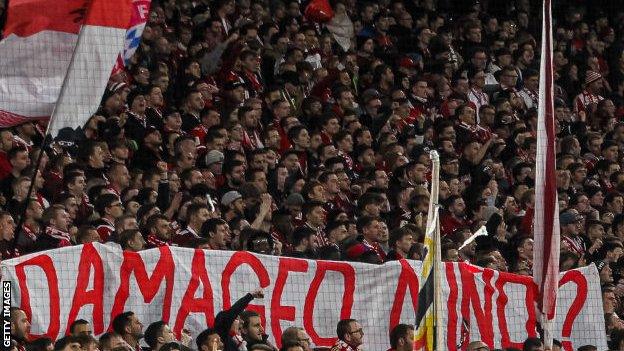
546,220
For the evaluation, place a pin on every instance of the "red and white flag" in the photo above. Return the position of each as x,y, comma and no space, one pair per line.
546,219
56,58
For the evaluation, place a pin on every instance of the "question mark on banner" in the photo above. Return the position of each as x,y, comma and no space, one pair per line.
577,278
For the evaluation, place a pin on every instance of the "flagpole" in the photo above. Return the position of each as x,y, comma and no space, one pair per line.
437,260
546,216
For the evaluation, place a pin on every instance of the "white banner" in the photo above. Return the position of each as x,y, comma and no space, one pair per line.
188,287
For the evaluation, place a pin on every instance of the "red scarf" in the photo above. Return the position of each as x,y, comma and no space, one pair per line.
63,237
156,242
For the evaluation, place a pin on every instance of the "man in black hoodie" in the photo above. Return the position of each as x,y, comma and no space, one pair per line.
225,327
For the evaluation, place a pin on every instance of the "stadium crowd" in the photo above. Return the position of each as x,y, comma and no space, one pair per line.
249,125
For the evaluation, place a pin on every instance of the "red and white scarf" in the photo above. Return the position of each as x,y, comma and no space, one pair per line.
63,237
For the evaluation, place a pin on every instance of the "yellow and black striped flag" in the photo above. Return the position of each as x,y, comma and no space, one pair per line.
424,336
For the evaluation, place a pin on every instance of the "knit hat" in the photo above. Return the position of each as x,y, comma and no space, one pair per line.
230,197
568,218
591,76
294,199
369,94
115,87
233,84
214,156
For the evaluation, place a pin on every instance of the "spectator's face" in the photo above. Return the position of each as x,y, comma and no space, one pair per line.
72,346
7,227
137,243
237,175
474,35
405,20
381,179
344,181
368,13
597,200
611,153
162,229
238,206
136,327
300,40
338,234
509,78
617,204
20,326
61,220
332,126
468,116
458,209
405,243
116,209
579,175
346,144
420,89
213,343
20,161
479,79
254,329
173,121
252,63
419,173
448,133
609,301
316,217
355,335
606,275
273,139
132,208
221,236
291,162
479,59
452,255
303,139
142,76
383,24
260,181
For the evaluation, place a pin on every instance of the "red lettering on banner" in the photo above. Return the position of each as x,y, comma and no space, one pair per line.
149,286
451,330
407,279
278,311
47,266
348,273
239,258
89,257
189,303
529,303
577,278
470,298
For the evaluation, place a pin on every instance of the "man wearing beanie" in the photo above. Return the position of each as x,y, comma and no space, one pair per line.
589,97
136,122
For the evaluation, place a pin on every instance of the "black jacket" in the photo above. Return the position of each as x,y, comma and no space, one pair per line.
224,320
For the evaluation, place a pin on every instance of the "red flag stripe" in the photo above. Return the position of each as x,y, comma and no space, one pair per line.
546,220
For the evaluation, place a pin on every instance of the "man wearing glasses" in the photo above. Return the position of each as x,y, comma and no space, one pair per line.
350,335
